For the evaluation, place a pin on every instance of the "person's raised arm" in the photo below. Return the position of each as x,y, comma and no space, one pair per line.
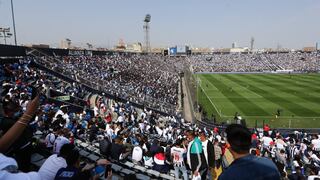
16,130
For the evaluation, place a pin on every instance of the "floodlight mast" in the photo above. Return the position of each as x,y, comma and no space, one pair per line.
251,44
14,24
146,27
5,33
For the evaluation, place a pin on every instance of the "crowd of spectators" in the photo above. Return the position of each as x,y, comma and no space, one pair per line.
258,62
149,80
126,133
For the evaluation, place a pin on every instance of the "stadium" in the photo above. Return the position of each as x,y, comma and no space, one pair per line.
134,111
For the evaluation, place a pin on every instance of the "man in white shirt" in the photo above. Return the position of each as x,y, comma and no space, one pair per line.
280,144
208,150
51,166
61,140
177,153
109,130
141,126
63,112
9,170
137,154
265,140
120,119
49,140
316,143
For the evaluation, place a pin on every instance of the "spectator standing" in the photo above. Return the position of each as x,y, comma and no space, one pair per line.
49,140
209,155
177,153
195,156
62,139
217,154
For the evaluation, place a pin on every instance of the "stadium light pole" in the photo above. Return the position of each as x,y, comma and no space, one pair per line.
146,28
14,24
5,34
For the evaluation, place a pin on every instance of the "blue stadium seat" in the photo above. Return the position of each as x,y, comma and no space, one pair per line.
153,173
129,164
166,176
84,153
84,145
93,157
116,167
126,172
142,177
140,168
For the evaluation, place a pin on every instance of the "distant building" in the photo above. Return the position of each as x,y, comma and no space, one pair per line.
38,45
135,47
201,50
157,50
239,50
121,46
65,44
309,49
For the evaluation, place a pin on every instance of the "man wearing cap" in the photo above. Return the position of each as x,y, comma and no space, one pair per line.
246,166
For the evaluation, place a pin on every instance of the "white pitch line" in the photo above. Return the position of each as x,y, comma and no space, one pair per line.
211,101
245,88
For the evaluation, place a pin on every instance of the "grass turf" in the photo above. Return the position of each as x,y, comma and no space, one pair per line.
257,97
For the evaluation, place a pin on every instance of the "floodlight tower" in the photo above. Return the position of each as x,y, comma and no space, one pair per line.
5,33
146,28
68,42
251,43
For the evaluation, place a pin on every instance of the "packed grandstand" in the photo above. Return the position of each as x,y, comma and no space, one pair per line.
123,112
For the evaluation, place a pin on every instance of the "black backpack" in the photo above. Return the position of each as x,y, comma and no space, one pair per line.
105,147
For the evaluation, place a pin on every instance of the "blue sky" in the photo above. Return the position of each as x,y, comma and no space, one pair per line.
205,23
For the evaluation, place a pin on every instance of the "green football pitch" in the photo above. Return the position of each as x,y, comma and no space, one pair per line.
259,97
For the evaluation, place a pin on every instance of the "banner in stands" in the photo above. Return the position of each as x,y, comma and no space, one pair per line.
73,52
62,98
181,49
173,50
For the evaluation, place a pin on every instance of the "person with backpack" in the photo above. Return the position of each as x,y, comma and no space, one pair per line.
137,153
49,140
105,146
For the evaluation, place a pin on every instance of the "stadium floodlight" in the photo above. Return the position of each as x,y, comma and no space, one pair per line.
146,28
68,42
147,18
89,46
14,24
5,33
251,44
